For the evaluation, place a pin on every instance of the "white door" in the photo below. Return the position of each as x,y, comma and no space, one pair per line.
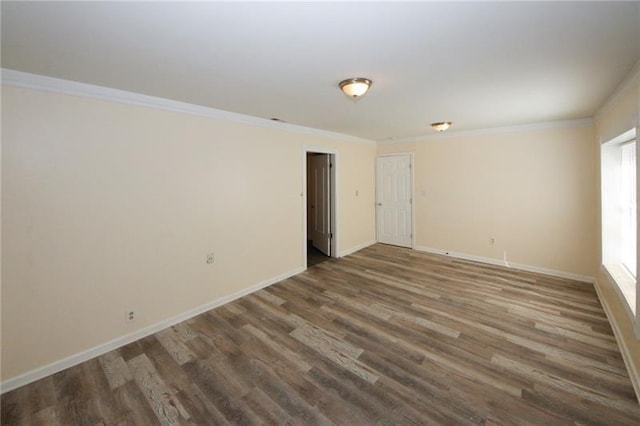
321,207
393,199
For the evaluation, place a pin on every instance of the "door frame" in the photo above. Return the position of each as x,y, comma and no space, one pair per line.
334,176
413,194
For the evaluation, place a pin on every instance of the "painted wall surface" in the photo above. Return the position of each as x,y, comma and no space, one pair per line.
530,190
620,115
109,207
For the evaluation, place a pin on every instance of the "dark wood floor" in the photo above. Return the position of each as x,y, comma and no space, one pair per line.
384,336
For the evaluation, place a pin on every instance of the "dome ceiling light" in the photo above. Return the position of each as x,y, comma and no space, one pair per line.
355,88
441,126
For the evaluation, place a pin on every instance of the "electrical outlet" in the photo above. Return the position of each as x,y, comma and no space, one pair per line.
209,258
492,241
131,316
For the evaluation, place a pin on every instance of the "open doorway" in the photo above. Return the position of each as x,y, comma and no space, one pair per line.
320,207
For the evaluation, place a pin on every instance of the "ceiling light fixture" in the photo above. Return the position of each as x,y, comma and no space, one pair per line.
441,126
355,88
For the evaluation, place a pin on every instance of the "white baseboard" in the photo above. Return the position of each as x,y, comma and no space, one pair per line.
528,268
356,248
634,375
75,359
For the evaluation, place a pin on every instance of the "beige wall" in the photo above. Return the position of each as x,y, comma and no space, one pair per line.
530,190
109,207
620,115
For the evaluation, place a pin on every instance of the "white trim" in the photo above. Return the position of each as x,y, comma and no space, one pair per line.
622,139
335,180
413,202
356,248
616,287
560,124
49,84
75,359
490,261
620,91
624,349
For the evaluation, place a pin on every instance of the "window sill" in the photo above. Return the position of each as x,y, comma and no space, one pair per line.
625,285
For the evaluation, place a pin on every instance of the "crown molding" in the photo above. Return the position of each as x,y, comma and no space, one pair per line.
548,125
25,80
620,91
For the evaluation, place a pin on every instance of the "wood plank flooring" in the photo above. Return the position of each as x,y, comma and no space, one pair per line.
386,336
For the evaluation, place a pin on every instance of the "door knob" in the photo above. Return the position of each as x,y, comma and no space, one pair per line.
379,204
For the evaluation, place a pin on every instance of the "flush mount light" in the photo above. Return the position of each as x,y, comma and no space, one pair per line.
355,88
441,126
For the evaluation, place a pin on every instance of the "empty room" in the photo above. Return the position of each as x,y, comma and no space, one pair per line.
319,213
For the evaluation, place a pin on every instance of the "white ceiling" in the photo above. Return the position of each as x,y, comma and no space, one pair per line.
479,65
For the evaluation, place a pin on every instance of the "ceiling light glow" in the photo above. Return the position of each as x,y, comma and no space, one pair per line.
441,126
355,88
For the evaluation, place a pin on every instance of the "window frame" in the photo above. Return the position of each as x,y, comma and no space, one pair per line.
632,205
612,265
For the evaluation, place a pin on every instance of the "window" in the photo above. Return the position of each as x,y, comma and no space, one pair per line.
628,205
619,216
